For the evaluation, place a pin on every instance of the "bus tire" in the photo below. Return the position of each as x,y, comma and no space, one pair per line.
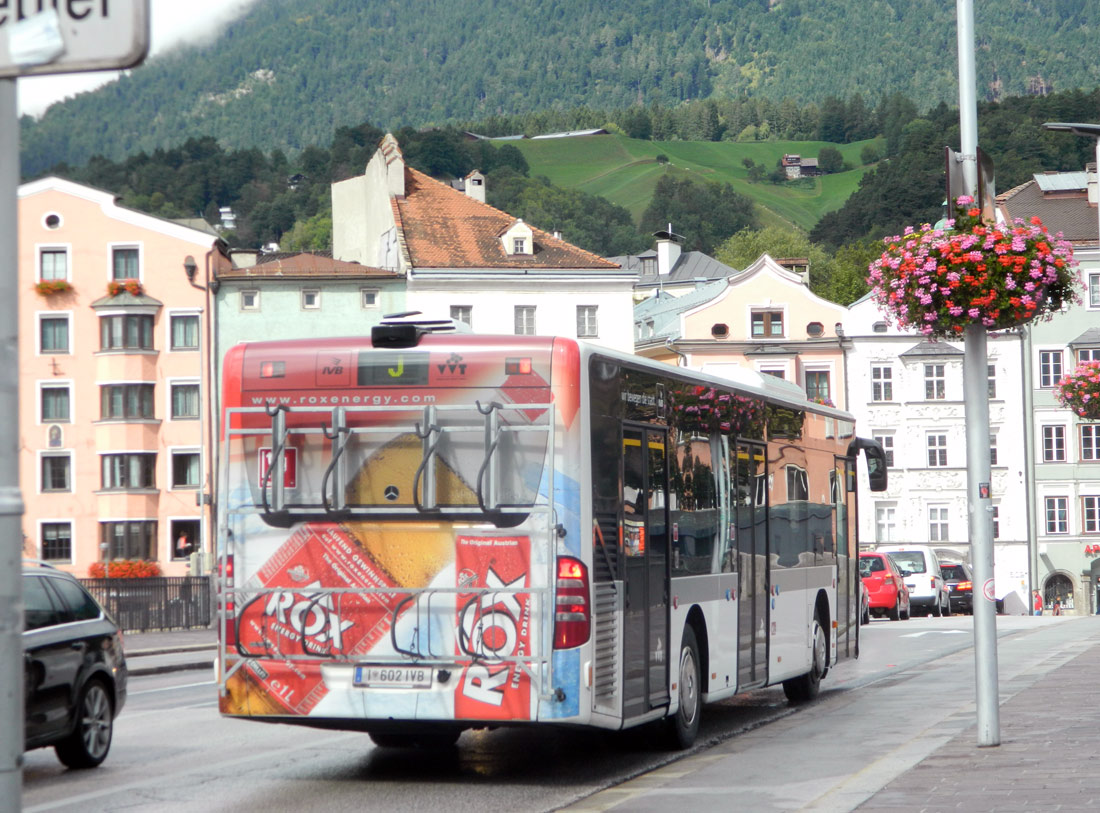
683,726
805,687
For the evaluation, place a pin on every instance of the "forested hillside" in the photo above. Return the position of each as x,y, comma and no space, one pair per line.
292,71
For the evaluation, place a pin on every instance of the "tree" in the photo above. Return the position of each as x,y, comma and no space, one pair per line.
745,247
705,213
830,160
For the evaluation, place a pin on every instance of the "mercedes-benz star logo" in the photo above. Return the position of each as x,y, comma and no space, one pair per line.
391,493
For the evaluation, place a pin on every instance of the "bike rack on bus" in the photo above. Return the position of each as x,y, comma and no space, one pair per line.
275,510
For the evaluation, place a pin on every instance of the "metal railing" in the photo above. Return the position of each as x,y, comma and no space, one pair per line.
158,603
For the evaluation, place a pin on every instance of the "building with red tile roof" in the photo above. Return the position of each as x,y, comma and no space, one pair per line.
469,261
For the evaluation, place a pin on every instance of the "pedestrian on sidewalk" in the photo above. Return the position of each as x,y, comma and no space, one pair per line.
1036,602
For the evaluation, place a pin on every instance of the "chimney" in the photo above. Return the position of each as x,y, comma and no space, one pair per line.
668,250
1094,191
475,186
395,165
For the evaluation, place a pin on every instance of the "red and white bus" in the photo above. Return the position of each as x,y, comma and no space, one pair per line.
429,530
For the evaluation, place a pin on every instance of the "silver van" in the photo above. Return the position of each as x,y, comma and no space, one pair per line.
920,567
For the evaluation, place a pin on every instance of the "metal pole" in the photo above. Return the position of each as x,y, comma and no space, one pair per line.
976,399
11,501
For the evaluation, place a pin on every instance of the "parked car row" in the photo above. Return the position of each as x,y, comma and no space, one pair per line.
901,580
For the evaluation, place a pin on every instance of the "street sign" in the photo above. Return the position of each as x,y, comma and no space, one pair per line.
67,36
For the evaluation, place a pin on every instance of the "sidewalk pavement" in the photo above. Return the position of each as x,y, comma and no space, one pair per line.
855,751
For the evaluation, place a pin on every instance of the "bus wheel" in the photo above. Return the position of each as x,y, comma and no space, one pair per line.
684,725
805,687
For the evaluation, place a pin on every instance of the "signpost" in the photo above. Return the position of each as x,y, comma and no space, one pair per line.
36,37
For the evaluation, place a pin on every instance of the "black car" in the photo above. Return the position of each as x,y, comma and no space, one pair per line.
960,586
74,670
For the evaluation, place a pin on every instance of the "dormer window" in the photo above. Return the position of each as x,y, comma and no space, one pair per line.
518,240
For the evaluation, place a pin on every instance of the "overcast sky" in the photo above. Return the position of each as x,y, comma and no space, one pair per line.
172,21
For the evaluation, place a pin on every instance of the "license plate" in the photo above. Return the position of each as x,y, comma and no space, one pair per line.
393,677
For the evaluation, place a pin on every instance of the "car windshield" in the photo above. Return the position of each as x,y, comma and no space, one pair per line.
912,561
953,572
870,564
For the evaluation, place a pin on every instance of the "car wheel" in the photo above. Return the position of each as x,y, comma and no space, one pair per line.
907,613
806,687
683,727
895,613
90,740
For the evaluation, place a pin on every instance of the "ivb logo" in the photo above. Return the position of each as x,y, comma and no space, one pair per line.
334,369
453,366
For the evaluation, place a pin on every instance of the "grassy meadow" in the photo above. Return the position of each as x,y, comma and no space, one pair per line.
625,171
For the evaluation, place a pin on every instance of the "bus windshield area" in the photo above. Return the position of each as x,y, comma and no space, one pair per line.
477,462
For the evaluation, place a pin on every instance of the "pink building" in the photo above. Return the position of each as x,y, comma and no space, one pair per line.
112,383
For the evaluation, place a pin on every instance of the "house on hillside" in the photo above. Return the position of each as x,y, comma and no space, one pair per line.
114,392
463,259
668,269
1062,476
798,166
764,319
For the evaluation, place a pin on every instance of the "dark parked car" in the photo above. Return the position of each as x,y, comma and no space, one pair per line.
74,670
960,586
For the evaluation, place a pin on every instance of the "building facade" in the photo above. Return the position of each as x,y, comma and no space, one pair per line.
112,381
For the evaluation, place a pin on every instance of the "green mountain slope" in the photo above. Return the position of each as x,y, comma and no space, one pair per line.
626,170
291,71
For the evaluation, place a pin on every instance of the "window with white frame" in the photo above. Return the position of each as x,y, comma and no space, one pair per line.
993,450
886,441
1054,443
1090,514
937,450
57,472
126,471
57,542
53,333
938,530
1094,290
1090,442
1050,368
1088,354
250,300
463,314
311,299
186,469
185,401
369,298
935,383
185,331
53,264
882,382
817,384
991,377
519,245
56,403
1057,515
125,263
886,524
587,327
798,484
525,320
767,324
120,402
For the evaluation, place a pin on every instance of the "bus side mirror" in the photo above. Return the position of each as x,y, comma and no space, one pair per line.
876,461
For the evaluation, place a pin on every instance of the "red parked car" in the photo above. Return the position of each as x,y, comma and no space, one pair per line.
889,595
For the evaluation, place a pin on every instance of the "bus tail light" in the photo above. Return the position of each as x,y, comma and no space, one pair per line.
572,616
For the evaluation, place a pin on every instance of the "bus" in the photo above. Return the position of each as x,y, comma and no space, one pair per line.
427,531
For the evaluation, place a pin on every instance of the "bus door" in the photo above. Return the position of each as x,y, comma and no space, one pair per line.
847,587
751,525
645,571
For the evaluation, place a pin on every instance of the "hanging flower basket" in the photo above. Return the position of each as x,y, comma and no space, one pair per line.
118,286
940,281
1080,391
49,287
823,401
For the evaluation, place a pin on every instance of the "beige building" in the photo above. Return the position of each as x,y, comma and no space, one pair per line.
112,382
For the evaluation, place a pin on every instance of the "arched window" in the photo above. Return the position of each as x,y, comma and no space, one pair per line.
1058,588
